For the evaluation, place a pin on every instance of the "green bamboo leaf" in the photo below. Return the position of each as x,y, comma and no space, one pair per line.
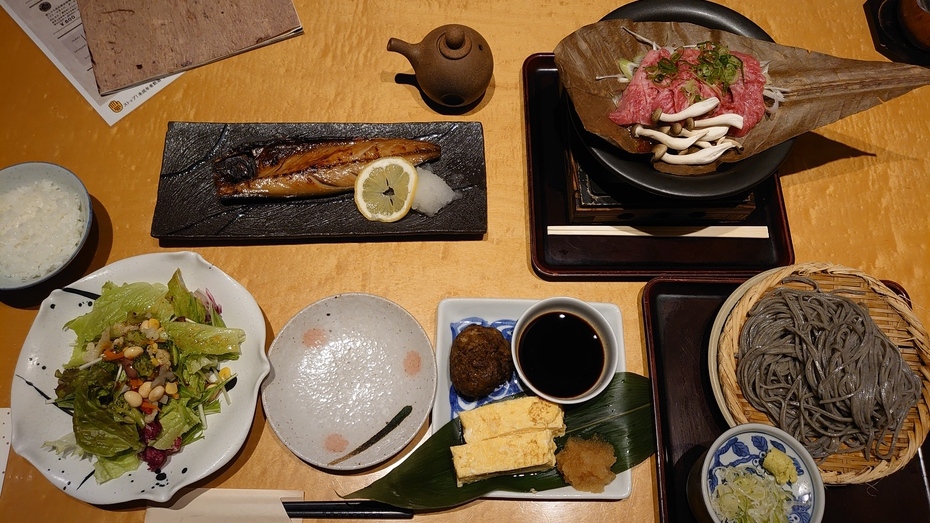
622,415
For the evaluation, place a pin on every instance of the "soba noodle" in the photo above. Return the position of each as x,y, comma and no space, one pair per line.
823,371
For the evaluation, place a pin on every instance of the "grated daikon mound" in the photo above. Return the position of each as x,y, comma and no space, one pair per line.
432,193
585,463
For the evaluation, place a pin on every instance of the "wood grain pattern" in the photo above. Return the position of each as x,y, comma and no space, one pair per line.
854,191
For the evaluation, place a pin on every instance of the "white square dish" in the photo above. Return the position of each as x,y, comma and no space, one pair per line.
503,314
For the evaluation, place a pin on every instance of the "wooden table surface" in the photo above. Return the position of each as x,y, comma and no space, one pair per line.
856,194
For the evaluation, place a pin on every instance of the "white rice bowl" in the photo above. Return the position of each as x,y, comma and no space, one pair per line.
45,217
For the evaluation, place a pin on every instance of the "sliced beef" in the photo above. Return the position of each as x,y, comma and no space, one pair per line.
643,96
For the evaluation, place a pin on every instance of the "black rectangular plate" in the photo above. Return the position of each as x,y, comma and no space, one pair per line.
677,316
189,210
621,257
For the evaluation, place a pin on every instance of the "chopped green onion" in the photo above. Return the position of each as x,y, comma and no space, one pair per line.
627,67
203,417
744,496
715,66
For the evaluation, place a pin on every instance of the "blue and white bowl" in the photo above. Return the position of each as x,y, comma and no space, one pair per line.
746,446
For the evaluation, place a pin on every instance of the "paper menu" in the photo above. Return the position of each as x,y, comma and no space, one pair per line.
133,42
56,27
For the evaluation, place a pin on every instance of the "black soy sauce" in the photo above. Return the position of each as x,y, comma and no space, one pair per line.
561,354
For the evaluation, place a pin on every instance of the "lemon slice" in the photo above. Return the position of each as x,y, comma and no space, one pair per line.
385,189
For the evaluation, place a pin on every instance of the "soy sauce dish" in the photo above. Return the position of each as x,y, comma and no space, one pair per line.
564,350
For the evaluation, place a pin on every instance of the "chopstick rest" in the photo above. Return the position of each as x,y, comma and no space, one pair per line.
205,505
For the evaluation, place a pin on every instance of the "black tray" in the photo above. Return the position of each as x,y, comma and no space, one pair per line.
587,257
677,315
188,209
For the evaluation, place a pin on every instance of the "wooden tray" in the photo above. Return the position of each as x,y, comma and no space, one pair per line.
678,314
598,257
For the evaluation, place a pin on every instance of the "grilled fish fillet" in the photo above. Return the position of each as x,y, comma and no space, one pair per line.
307,169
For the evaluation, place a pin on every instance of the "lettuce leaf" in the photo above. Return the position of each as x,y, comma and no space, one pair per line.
100,430
196,338
113,306
97,378
193,369
106,469
185,303
67,446
176,419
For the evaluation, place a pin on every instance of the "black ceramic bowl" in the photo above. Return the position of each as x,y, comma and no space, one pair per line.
730,178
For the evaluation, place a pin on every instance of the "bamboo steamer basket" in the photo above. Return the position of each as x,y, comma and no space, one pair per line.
893,316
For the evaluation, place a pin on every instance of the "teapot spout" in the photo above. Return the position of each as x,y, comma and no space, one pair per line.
409,51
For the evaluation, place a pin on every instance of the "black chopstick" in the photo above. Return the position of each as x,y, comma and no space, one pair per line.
345,509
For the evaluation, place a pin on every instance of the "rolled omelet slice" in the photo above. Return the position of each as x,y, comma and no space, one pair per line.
526,414
528,451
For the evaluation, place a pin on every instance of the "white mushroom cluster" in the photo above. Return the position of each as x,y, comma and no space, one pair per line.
690,137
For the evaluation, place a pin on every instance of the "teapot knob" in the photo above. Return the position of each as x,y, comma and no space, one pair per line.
454,43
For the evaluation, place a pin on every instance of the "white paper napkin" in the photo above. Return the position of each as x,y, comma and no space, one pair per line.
6,436
226,506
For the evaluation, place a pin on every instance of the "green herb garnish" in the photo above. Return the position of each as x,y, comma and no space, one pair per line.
715,66
665,69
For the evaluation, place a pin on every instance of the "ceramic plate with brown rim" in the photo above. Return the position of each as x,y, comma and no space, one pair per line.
352,381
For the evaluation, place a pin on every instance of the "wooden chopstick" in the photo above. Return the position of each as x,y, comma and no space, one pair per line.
709,231
345,509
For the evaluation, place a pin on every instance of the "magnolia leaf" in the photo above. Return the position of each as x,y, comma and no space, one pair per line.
425,480
819,89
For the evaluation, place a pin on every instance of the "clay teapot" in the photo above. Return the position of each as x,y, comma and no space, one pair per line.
452,64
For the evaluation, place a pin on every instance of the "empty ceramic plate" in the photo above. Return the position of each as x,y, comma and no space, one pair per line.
353,379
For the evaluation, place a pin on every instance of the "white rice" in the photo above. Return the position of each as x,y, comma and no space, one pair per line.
432,193
40,226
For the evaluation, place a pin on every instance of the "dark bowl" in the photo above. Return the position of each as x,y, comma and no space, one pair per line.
730,178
